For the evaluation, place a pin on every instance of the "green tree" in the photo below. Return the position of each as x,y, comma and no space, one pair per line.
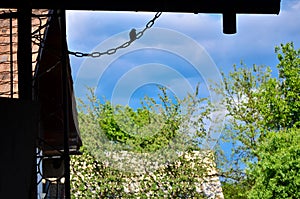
151,127
277,174
259,104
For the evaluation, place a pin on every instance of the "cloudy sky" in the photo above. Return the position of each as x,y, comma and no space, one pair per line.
178,51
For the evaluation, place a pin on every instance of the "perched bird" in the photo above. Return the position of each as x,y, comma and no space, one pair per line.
132,35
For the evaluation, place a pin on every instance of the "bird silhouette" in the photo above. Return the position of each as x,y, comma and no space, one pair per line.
132,35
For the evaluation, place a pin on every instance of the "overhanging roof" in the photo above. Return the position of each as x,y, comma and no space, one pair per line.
228,8
49,93
190,6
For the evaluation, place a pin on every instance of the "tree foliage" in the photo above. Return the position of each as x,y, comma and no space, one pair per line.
277,174
260,105
169,122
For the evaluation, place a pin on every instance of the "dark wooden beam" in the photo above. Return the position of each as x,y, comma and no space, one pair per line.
185,6
66,103
24,57
24,54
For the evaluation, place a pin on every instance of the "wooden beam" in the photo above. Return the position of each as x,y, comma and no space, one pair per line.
24,54
187,6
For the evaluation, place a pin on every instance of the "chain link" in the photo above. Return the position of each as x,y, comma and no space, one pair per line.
124,45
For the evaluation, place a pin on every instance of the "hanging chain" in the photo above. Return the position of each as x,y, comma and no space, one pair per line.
133,36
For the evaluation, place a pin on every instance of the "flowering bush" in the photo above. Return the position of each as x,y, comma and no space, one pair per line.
193,174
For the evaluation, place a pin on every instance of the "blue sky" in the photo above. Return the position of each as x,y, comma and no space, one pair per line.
89,31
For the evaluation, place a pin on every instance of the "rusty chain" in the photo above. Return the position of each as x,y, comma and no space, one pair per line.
124,45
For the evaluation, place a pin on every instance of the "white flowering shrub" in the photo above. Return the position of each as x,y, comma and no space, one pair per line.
192,175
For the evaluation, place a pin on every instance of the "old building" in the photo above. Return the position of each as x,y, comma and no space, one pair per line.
34,127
